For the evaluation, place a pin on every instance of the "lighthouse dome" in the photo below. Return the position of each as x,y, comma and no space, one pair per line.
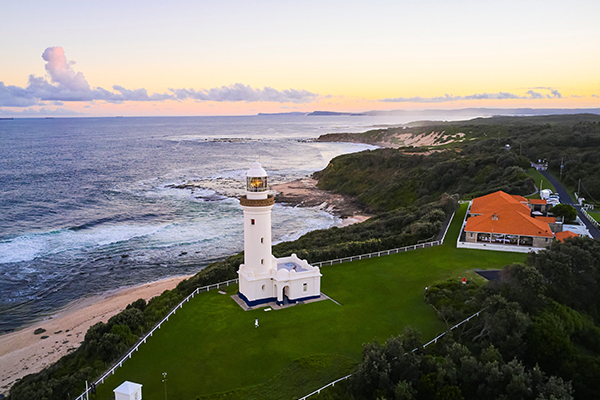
256,179
256,171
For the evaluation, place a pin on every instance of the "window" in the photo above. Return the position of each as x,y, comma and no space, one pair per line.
263,288
262,240
252,221
262,260
305,287
256,184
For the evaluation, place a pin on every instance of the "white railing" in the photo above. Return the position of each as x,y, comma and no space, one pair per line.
377,254
135,347
386,252
325,387
592,220
434,340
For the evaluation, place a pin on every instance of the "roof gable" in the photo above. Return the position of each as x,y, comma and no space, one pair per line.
497,201
562,236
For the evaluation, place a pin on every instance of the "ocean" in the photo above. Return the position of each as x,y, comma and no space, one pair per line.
89,205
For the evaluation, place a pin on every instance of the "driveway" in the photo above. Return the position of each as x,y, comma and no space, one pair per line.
566,199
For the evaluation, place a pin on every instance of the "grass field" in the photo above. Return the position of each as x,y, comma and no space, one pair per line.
537,177
210,349
595,215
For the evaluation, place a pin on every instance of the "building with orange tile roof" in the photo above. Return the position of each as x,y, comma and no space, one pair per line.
564,235
504,219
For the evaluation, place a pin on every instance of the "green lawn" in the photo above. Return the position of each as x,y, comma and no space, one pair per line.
539,178
595,215
211,349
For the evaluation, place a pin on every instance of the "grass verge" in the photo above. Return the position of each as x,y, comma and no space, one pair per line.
539,178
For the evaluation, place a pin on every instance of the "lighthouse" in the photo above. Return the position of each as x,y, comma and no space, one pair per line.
262,277
257,204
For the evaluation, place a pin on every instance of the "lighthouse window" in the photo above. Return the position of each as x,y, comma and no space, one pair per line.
262,260
263,287
252,221
262,240
256,184
305,287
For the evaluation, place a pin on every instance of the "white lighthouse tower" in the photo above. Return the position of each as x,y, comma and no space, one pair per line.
264,278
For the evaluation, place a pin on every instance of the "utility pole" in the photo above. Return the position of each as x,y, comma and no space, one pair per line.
562,165
164,374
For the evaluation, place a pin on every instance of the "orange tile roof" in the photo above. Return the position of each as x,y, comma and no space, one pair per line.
497,201
548,220
503,213
508,222
537,201
565,235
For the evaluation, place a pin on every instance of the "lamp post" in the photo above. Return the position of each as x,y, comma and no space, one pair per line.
164,374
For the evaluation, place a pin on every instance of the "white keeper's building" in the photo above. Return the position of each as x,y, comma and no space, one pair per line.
264,278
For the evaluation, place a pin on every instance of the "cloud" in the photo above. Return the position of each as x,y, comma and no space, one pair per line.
241,92
61,73
529,95
535,95
63,83
595,95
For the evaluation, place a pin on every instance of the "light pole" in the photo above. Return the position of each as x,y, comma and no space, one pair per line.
164,374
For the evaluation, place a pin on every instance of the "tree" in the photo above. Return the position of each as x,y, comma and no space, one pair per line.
564,210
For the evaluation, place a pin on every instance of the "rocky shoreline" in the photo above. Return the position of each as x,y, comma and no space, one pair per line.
304,193
299,193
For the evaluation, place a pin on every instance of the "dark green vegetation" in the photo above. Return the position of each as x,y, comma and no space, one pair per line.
477,165
568,212
386,179
538,336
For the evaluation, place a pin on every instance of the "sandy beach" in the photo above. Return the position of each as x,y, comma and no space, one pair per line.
22,352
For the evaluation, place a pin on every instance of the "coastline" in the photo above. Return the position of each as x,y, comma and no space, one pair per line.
22,352
304,193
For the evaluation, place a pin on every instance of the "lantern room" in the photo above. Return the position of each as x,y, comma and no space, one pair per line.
256,182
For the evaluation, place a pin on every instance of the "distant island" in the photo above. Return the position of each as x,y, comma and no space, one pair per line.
463,112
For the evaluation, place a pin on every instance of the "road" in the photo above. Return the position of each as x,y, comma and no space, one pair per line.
566,199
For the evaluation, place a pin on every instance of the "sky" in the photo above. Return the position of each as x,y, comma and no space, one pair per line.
137,58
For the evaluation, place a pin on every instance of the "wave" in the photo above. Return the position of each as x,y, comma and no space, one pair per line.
114,219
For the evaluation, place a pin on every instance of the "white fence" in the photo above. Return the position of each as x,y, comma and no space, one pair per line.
386,252
434,340
377,254
592,220
325,387
135,348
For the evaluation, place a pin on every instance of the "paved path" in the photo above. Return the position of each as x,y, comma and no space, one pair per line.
566,199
